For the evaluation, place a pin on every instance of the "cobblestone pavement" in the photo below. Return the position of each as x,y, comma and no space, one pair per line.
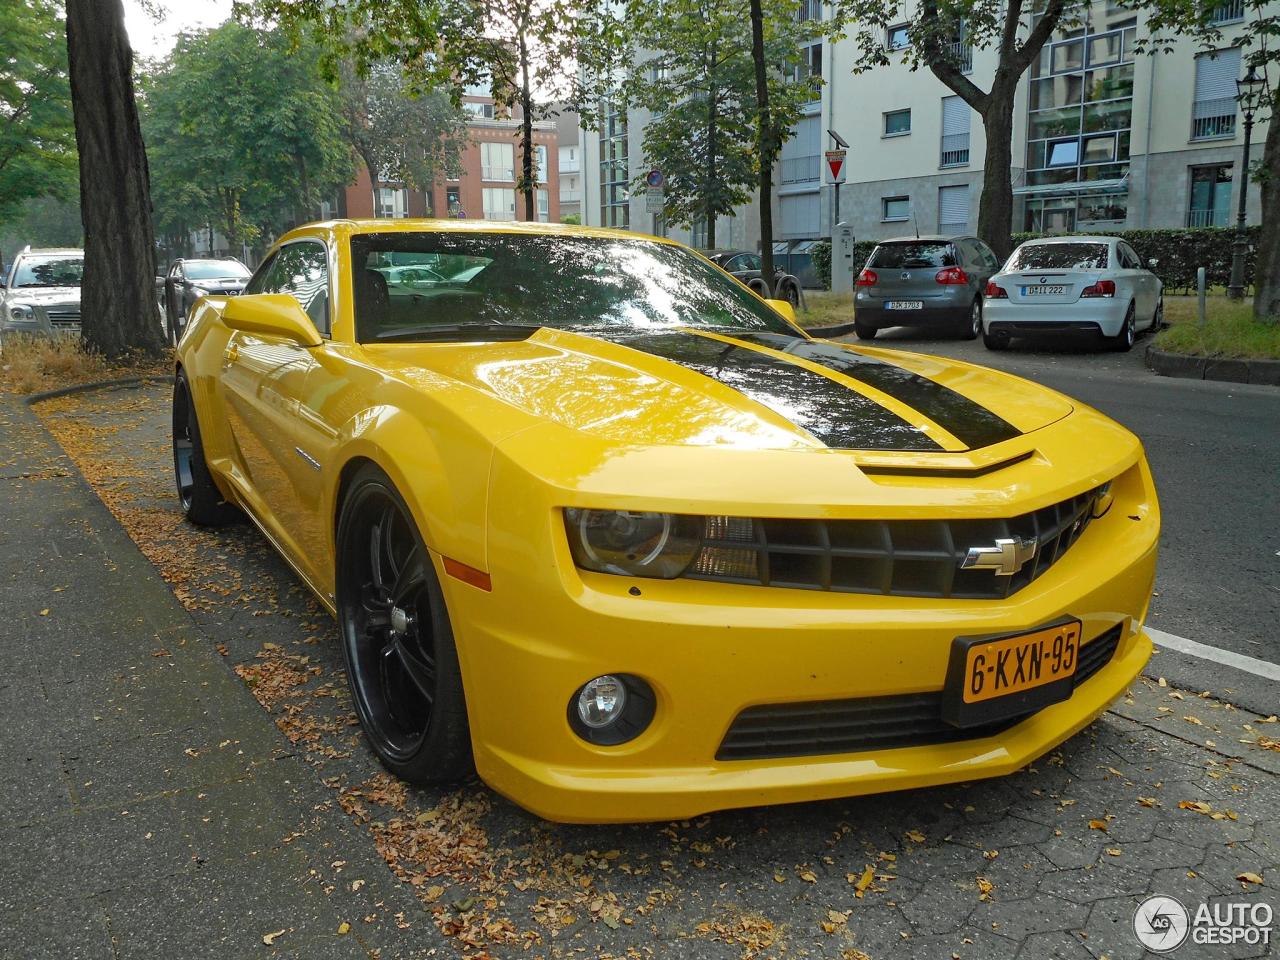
1174,791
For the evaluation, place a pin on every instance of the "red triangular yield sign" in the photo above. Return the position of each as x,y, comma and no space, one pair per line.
836,166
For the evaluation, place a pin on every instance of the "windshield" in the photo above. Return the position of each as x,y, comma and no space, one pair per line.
49,272
1060,256
541,280
924,253
214,269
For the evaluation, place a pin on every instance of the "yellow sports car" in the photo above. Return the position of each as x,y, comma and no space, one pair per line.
599,522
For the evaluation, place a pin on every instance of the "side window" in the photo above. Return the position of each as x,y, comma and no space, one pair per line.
989,258
259,278
302,270
1128,259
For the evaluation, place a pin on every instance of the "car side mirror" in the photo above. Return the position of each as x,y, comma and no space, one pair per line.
784,307
271,315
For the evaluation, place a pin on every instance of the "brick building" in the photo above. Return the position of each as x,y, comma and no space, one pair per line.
486,187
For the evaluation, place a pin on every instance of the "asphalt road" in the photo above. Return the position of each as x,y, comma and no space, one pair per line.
1214,449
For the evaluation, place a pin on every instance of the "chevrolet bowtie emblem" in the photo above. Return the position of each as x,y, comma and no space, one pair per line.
1005,559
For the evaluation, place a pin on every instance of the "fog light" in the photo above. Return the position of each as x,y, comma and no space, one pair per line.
611,709
601,701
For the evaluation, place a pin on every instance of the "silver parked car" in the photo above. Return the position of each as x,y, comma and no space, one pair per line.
41,292
1093,285
919,281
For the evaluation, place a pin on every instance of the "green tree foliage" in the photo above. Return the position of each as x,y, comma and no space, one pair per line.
937,31
694,74
412,136
37,133
244,134
519,47
1259,39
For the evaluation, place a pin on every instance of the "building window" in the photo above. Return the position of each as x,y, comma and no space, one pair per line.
1210,201
1230,12
961,50
1106,209
393,202
955,132
893,209
540,167
801,157
953,209
1213,114
615,170
453,200
544,206
895,37
482,110
812,10
897,122
499,203
498,161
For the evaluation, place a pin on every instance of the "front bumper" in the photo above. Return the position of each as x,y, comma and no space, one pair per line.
711,650
1103,316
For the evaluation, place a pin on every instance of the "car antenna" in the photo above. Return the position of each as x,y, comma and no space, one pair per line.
914,223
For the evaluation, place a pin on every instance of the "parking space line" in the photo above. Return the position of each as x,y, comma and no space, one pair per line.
1259,668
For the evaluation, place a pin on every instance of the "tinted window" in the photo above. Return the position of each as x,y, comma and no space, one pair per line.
563,282
744,261
49,272
923,253
301,270
1060,256
1128,258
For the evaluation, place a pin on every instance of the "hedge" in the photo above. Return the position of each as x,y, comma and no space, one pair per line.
1179,253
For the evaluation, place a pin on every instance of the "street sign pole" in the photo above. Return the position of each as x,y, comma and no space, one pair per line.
835,165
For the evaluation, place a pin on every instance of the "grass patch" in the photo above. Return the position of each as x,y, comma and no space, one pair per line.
32,364
825,309
1229,330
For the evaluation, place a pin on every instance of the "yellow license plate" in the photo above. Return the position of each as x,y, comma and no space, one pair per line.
999,668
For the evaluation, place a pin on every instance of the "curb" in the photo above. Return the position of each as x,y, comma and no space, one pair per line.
825,333
34,398
1226,369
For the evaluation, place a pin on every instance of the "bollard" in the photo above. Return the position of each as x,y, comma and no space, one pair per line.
1200,289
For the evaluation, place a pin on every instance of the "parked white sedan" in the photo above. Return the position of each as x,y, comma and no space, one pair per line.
1095,285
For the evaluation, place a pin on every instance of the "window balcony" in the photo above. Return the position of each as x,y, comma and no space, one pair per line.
962,55
955,150
1230,12
1207,218
801,169
569,166
1213,119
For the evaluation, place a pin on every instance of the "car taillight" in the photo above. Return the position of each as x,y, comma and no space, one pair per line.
868,278
951,276
995,292
1103,288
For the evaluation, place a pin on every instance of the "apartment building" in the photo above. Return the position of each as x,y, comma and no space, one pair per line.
1105,138
569,145
485,189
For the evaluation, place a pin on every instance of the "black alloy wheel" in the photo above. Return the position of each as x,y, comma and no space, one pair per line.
995,341
1124,340
199,496
396,638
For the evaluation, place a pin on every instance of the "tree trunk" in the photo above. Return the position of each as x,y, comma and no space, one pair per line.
526,131
764,141
375,183
117,297
995,211
1266,268
713,147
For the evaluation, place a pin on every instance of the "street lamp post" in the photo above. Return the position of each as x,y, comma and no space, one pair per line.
1248,91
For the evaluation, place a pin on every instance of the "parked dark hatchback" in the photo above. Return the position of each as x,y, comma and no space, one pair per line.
919,281
189,280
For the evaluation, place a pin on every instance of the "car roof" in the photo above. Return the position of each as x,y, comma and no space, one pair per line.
50,252
414,225
1082,238
929,238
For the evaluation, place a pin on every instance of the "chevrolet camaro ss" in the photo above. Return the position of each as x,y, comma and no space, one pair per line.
601,524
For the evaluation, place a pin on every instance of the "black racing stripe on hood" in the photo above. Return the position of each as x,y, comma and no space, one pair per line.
830,411
970,423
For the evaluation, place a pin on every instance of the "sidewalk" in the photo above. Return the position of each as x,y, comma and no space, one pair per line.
151,808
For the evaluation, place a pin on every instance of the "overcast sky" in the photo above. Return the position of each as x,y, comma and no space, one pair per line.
152,39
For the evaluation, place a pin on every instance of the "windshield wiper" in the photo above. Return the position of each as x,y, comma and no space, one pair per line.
460,332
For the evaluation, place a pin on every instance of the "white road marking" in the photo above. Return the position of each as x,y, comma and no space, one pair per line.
1259,668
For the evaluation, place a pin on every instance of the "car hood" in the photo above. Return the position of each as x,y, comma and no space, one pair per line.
760,390
43,296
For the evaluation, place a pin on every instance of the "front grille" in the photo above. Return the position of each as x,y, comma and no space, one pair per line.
65,317
906,558
817,728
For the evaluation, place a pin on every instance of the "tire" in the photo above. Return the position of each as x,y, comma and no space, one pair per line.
864,331
995,341
1123,341
397,641
973,323
1157,321
201,500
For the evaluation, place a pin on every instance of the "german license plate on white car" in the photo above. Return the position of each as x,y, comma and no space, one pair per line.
1045,290
904,304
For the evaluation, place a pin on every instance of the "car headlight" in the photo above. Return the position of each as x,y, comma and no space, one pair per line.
21,311
633,543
